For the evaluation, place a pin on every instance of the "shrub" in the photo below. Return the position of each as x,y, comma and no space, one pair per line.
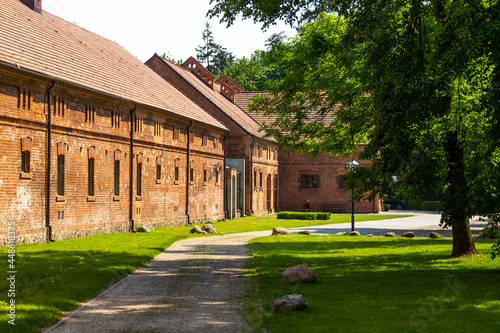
282,216
432,205
495,250
491,231
323,216
387,207
412,205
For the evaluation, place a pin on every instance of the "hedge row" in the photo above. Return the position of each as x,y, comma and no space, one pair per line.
303,216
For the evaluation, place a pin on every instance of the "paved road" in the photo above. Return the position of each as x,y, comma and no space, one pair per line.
194,285
420,220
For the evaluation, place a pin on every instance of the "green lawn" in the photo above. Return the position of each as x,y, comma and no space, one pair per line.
55,277
377,285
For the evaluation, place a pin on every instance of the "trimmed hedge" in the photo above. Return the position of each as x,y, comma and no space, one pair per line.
387,207
303,216
426,205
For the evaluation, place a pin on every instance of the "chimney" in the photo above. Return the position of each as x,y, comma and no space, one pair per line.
35,5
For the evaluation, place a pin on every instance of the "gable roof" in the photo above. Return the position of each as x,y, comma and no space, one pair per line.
48,45
231,110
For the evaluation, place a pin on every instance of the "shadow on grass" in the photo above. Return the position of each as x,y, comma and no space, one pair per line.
380,286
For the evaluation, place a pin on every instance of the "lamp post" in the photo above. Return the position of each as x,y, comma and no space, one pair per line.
351,167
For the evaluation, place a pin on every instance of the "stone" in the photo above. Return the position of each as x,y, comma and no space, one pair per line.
369,235
341,233
390,234
292,302
279,231
408,234
354,233
209,228
304,232
196,229
143,229
435,235
299,273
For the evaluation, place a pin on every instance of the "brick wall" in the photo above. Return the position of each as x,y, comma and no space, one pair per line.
84,125
314,184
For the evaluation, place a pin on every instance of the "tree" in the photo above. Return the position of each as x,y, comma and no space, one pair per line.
251,74
419,82
212,55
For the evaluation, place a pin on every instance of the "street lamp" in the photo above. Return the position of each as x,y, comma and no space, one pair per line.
351,168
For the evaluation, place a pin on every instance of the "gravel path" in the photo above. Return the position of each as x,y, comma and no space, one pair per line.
194,285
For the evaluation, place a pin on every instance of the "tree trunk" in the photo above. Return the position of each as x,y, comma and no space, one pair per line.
456,203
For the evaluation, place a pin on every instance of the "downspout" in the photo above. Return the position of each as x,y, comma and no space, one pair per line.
188,174
224,175
252,181
48,226
131,169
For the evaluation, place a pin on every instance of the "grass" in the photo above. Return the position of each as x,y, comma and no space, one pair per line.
378,285
56,277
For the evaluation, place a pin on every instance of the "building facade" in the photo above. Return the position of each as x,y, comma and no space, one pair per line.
92,140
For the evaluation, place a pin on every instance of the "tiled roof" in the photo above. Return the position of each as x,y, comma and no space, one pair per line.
46,44
240,117
244,99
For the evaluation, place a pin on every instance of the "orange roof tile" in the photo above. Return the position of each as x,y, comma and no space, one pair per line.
46,44
241,118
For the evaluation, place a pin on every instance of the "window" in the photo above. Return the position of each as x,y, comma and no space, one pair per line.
117,179
115,119
191,174
139,179
341,181
25,161
60,175
89,114
205,174
309,181
157,128
260,179
90,187
26,144
255,178
176,171
159,163
217,175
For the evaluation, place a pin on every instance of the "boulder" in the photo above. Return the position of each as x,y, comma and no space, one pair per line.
279,231
354,233
435,235
292,302
196,229
408,234
304,232
143,229
299,273
341,233
209,228
390,234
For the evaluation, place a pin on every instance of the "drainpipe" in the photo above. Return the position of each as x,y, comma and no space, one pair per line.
48,226
188,174
224,175
252,174
131,169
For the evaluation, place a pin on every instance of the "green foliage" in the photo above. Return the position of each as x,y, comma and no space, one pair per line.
495,250
363,281
387,207
323,216
491,231
212,55
303,216
417,81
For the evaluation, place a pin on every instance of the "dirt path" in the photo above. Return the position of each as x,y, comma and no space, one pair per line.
193,286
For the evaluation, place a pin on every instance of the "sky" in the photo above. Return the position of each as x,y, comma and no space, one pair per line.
174,27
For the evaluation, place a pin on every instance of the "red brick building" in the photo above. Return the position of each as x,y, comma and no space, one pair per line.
254,158
92,140
311,184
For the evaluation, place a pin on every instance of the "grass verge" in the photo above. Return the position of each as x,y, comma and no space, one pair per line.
378,285
56,277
